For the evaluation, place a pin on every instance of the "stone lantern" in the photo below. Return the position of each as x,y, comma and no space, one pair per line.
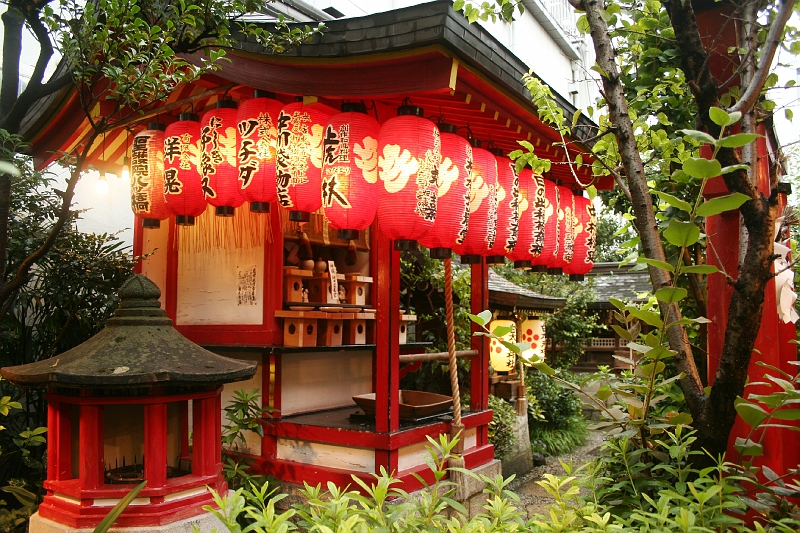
138,401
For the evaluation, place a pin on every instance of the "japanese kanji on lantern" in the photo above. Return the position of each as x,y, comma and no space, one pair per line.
507,210
350,170
546,246
585,238
183,190
482,227
147,178
299,177
532,331
219,165
257,139
501,358
528,229
452,207
409,154
566,231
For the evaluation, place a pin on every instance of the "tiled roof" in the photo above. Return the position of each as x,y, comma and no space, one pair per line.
508,296
613,281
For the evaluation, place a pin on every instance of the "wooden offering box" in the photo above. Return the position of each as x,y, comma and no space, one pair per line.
293,283
356,288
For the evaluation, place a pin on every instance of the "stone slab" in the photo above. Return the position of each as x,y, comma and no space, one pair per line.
206,522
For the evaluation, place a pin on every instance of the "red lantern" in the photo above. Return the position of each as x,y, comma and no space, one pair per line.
507,210
183,191
585,239
544,251
482,228
299,177
147,176
350,170
566,231
257,139
521,255
452,209
409,147
219,165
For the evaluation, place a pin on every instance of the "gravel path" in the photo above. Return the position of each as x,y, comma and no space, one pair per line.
533,497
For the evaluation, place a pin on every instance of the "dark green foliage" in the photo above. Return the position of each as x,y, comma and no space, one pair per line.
558,405
611,235
557,441
501,428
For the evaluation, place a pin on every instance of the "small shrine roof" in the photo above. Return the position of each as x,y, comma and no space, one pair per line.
139,347
505,295
614,281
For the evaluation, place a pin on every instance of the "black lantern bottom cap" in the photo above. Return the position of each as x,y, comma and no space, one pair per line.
538,269
440,253
299,216
224,211
184,220
522,265
259,207
151,223
495,260
347,234
405,245
555,271
470,259
576,277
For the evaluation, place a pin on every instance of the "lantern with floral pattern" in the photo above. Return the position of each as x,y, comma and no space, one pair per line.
501,358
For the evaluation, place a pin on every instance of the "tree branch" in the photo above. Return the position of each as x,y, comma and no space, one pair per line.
45,47
12,51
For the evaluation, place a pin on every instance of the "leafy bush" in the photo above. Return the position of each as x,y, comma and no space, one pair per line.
501,428
555,441
558,405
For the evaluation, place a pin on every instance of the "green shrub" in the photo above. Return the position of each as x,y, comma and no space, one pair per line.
501,428
555,441
558,405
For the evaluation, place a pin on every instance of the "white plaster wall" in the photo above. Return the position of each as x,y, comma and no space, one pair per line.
329,455
155,242
531,43
313,381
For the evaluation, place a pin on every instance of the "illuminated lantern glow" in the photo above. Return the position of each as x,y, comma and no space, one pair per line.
350,170
219,164
257,142
566,231
532,330
482,227
147,183
409,154
501,358
507,210
299,176
529,227
545,249
585,239
453,210
183,190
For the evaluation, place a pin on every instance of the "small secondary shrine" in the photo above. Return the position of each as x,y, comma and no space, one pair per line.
274,197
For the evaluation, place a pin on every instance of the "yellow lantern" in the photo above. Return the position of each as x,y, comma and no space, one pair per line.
501,358
532,330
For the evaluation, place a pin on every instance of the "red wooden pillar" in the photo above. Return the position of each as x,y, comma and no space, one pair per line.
155,444
183,415
171,296
479,365
138,243
59,440
91,447
203,446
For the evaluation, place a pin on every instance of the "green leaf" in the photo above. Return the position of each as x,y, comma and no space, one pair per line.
681,233
738,140
648,317
699,136
748,447
617,303
671,294
700,167
753,414
622,332
544,368
699,269
118,509
733,168
786,414
9,168
501,331
719,205
719,117
674,201
481,318
656,263
603,393
682,419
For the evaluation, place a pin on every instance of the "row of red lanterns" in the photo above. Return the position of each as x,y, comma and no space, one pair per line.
437,188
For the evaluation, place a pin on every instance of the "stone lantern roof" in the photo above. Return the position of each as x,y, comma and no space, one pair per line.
139,347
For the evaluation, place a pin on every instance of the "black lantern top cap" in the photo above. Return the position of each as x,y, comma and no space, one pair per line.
139,347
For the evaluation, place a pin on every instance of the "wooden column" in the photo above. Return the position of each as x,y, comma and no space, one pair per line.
59,440
155,444
387,367
203,446
138,242
479,364
171,296
91,447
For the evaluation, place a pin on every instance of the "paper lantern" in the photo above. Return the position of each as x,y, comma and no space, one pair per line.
532,330
501,358
566,232
183,190
482,227
585,239
257,139
409,153
350,170
147,179
219,165
452,209
545,248
299,178
521,254
507,210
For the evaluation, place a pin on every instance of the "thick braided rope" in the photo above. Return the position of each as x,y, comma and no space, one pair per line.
451,340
